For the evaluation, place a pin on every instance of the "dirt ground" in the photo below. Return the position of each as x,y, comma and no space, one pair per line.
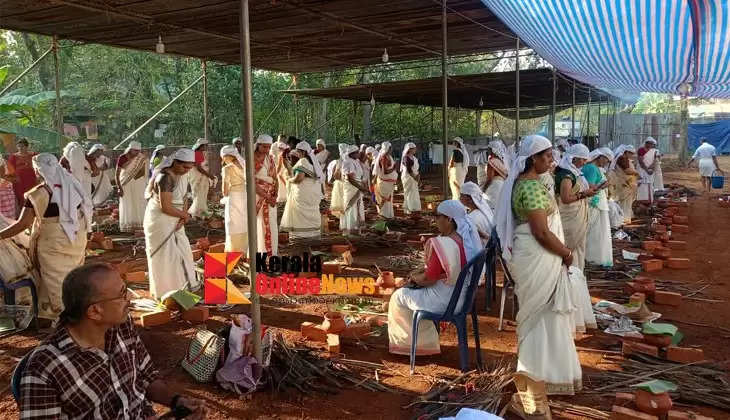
707,248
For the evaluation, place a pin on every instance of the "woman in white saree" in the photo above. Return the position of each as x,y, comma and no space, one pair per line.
101,183
445,255
301,216
131,178
353,190
531,234
458,167
410,177
266,193
200,179
233,185
59,212
334,176
386,177
283,169
599,248
622,178
169,256
497,164
647,160
74,160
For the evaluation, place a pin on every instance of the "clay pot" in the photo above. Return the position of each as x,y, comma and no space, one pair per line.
339,249
97,236
283,237
656,404
215,223
333,322
385,279
203,244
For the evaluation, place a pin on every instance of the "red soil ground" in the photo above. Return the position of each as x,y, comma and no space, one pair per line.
707,248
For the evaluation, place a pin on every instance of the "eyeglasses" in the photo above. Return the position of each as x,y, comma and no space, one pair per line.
122,295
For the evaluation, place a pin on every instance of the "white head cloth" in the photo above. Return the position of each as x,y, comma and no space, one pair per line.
464,152
370,150
320,141
384,150
579,151
183,155
562,143
282,145
363,147
651,140
133,145
530,145
264,139
67,193
464,226
198,143
620,152
406,148
605,151
74,154
236,140
306,148
94,148
378,145
499,149
230,150
341,147
157,150
331,170
472,190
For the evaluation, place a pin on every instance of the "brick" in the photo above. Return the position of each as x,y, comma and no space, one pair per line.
313,332
153,319
678,263
196,314
659,228
645,257
630,347
637,298
668,221
624,398
658,340
333,343
650,245
652,265
679,245
662,252
682,211
632,287
331,268
217,248
624,413
644,280
197,254
358,330
662,236
685,415
680,228
136,277
685,354
682,220
662,297
680,204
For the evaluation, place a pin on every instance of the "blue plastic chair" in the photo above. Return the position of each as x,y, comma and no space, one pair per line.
8,291
494,254
474,269
17,375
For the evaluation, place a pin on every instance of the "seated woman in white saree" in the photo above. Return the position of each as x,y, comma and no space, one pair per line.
531,234
200,179
458,167
301,216
572,191
233,185
354,189
169,256
385,178
497,164
445,255
410,178
622,178
59,213
647,160
478,210
599,248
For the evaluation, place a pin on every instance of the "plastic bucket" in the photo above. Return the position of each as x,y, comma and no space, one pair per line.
718,180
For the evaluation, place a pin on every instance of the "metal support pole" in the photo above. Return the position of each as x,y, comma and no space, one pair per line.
588,115
24,72
572,114
444,99
683,119
615,117
296,109
205,99
598,140
248,143
517,95
150,119
57,83
552,108
354,117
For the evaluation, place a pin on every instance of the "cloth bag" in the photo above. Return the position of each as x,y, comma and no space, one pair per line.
204,354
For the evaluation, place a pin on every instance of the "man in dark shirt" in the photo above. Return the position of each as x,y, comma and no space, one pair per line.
95,365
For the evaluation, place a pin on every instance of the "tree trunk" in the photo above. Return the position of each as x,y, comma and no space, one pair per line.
323,131
44,74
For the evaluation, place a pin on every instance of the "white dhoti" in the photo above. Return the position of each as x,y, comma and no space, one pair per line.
132,205
457,176
384,188
301,216
411,196
599,248
102,187
706,166
352,218
199,186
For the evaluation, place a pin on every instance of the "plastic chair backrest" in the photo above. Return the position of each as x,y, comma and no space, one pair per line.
473,269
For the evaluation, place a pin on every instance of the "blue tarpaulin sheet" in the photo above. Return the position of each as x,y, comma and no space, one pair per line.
716,133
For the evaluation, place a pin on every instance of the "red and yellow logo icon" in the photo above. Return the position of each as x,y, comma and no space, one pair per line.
218,289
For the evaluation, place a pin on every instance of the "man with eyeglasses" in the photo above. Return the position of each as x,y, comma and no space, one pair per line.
95,365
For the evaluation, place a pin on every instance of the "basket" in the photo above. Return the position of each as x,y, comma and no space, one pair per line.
717,179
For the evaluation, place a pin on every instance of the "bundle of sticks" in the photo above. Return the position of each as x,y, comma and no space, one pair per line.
301,369
701,383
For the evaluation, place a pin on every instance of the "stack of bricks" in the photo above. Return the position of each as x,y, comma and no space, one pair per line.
624,408
317,333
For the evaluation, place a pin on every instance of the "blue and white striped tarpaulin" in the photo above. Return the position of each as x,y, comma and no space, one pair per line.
630,45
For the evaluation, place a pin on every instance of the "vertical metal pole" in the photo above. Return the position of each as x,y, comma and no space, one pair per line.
444,99
517,95
615,117
572,114
588,116
683,119
57,83
248,143
296,110
354,117
552,108
492,124
205,99
598,140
